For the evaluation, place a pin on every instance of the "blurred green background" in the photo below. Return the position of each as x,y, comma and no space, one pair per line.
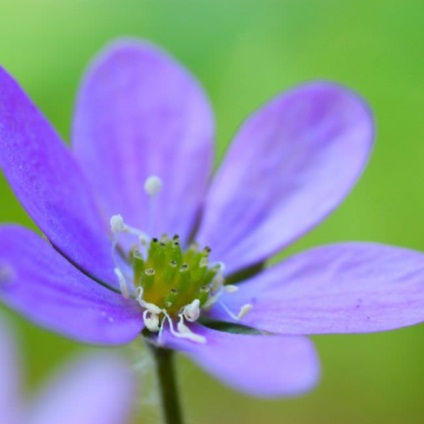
245,52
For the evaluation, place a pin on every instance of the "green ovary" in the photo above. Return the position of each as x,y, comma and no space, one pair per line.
172,278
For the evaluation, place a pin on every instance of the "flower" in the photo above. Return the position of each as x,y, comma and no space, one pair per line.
89,390
138,237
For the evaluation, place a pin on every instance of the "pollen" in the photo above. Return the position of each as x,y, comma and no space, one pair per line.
153,185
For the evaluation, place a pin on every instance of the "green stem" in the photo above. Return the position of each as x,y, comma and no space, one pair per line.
170,405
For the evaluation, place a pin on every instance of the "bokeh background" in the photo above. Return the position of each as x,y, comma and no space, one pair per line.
244,52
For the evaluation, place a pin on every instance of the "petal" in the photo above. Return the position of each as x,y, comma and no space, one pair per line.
96,389
39,283
10,396
49,184
138,114
343,288
259,365
289,166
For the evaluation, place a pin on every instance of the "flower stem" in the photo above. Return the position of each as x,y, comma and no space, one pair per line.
170,405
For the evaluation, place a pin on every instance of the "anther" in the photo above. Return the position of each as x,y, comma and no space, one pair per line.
153,185
151,321
218,266
230,288
244,310
117,224
191,312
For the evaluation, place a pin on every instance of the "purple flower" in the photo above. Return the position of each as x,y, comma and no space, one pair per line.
90,390
139,172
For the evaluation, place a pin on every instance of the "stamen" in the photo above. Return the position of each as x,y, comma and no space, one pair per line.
230,288
191,312
219,265
151,321
117,224
186,333
217,283
122,283
244,310
153,185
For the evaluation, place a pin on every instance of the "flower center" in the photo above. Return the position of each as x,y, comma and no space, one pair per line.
172,278
170,283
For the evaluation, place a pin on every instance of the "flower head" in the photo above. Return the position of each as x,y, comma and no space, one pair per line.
139,237
89,390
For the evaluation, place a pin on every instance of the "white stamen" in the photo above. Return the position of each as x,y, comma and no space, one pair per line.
144,240
185,332
219,265
151,307
122,283
230,288
244,310
223,306
153,185
191,311
139,294
217,282
151,321
117,224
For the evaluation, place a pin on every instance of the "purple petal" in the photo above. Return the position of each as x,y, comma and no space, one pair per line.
344,288
97,389
49,184
139,113
291,164
259,365
38,282
10,396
